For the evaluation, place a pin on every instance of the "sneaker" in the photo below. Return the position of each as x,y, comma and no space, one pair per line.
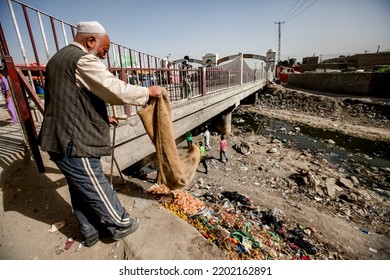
91,239
121,232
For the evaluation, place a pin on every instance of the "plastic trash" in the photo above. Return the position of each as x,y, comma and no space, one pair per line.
372,250
364,230
57,226
69,243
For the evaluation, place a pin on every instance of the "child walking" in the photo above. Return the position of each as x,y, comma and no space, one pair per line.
203,156
223,149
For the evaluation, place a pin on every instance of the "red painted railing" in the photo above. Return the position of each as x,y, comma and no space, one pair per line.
35,36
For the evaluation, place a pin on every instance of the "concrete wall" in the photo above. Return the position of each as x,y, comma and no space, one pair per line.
364,84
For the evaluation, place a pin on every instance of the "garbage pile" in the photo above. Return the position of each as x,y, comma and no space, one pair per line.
366,110
232,222
278,97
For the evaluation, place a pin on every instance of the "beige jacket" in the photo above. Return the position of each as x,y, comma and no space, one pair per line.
93,75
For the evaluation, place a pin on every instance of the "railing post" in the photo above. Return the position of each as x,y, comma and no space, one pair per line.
24,112
124,76
241,68
53,28
203,81
20,38
43,36
31,35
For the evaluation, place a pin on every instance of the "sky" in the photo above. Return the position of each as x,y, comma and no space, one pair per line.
175,28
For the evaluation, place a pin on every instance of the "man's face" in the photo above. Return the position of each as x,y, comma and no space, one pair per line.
101,47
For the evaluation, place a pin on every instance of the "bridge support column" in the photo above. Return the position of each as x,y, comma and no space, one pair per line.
251,99
223,122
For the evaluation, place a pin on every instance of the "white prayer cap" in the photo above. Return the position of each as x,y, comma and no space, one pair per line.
90,27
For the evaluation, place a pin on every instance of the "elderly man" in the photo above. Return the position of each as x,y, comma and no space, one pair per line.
75,129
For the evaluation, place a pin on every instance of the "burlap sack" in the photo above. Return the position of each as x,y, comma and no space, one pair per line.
174,171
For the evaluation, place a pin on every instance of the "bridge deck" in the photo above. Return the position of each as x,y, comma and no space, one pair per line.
186,115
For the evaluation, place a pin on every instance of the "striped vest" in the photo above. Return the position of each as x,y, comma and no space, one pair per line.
72,115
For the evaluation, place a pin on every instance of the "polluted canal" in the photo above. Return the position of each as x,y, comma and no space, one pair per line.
344,151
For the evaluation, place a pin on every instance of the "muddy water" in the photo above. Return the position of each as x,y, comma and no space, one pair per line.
343,151
335,146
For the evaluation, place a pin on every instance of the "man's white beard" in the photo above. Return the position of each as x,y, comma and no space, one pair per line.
93,51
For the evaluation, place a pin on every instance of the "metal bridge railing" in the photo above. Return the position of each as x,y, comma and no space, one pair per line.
40,35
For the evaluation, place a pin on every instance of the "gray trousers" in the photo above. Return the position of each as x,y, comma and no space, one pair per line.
94,201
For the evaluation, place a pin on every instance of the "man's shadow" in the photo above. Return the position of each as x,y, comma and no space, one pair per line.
26,191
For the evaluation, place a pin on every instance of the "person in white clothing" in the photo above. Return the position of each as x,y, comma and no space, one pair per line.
206,136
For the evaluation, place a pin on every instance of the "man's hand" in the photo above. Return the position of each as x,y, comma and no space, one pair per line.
155,91
113,121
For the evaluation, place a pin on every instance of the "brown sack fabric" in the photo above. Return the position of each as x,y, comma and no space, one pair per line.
190,161
174,171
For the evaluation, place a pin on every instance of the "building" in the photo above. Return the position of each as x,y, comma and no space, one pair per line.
366,61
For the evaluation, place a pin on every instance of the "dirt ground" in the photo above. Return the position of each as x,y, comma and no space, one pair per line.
296,201
297,194
334,208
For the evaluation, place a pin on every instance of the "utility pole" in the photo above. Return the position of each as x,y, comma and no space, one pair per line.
279,23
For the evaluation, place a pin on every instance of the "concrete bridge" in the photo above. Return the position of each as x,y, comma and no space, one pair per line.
210,91
132,144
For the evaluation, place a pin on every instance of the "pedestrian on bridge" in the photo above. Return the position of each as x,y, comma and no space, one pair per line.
76,133
186,77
